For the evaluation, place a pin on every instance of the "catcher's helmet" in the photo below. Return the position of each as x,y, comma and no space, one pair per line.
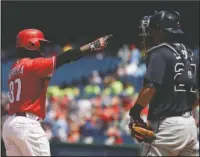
30,39
168,21
164,20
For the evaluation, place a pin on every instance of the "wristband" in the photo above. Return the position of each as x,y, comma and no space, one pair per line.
94,45
135,111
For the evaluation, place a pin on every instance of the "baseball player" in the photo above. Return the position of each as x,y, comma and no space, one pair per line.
170,89
28,80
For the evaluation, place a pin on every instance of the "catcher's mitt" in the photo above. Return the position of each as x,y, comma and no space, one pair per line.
141,131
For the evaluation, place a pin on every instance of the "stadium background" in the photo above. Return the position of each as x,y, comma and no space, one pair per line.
102,86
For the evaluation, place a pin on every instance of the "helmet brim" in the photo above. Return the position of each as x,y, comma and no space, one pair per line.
44,40
39,39
174,31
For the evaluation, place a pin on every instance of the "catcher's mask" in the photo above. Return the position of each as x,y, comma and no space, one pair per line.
163,20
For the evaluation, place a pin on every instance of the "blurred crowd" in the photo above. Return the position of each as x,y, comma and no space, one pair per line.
95,110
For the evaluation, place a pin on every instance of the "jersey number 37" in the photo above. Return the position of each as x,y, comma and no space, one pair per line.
15,87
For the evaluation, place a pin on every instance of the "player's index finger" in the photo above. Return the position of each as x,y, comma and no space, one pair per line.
109,36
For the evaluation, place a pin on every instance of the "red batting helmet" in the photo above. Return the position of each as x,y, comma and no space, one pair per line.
30,39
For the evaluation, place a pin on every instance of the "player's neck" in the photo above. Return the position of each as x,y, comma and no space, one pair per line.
29,54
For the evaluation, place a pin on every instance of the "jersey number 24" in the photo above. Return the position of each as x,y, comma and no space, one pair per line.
178,68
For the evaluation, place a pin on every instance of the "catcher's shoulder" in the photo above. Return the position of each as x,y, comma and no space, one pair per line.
161,48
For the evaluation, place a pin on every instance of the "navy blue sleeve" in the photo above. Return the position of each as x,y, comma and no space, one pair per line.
68,56
156,68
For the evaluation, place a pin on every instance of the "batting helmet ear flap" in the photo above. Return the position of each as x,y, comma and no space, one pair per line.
34,44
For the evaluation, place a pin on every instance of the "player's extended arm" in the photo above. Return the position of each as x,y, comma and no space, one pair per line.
75,54
145,96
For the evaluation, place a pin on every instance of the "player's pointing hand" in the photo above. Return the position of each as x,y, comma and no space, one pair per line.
100,43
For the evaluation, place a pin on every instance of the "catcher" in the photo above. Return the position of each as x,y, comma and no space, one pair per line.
170,88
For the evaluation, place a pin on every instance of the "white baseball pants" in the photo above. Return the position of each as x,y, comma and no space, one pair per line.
24,136
175,136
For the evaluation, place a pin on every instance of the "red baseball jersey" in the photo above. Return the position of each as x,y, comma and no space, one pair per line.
28,81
